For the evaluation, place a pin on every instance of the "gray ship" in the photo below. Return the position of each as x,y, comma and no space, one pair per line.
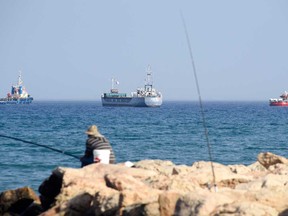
143,97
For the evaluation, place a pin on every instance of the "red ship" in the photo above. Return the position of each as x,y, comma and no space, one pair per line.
282,101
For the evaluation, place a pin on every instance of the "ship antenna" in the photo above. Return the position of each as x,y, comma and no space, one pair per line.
200,102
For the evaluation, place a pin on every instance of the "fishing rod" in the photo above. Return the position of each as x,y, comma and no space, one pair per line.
200,100
37,144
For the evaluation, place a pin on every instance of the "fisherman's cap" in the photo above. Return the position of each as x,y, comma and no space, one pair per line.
93,131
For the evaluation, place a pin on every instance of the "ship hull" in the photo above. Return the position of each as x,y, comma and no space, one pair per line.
16,101
281,103
132,101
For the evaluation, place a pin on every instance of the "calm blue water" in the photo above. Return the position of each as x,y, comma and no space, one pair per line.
238,132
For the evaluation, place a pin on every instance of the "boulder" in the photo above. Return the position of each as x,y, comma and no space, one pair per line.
19,201
159,166
160,188
245,208
268,159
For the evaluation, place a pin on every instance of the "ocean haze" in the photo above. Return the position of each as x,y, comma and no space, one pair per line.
70,50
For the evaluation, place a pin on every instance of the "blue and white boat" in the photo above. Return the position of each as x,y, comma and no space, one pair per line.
143,97
18,94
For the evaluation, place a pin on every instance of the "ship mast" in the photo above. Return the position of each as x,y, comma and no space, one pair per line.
112,86
114,82
148,80
20,81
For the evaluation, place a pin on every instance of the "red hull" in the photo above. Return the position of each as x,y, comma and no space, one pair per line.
279,103
282,101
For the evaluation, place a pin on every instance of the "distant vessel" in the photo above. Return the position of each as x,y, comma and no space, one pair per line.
18,94
143,97
282,101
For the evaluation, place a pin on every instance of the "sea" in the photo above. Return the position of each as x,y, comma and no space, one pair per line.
51,134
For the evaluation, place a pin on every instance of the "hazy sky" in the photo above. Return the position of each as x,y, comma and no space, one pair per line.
70,49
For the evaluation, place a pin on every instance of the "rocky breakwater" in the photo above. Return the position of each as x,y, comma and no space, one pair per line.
156,187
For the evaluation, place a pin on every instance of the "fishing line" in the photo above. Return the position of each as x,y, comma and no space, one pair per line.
200,100
37,144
